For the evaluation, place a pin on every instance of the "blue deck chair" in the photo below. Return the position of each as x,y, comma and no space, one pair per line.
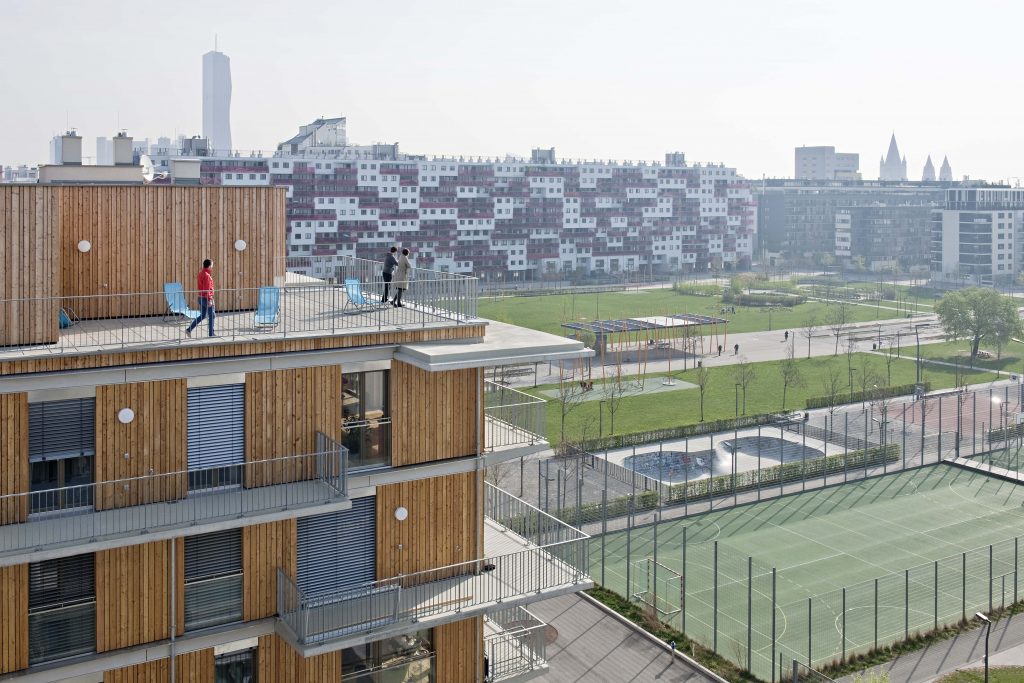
356,299
268,305
176,305
67,318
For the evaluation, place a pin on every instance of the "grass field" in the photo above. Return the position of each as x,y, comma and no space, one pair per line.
823,541
997,674
547,313
1011,359
642,412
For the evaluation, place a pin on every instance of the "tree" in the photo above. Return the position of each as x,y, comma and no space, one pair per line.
808,327
977,314
570,397
837,317
890,354
703,379
869,381
618,388
832,384
745,376
789,371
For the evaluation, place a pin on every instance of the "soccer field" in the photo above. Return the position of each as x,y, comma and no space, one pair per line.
913,532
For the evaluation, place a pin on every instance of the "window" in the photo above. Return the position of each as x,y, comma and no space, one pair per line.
61,608
216,435
61,446
236,667
408,658
213,579
366,418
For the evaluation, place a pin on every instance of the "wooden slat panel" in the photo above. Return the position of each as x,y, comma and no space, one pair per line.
441,529
277,661
433,414
132,595
265,547
14,470
195,667
284,409
155,442
28,265
191,667
13,618
459,648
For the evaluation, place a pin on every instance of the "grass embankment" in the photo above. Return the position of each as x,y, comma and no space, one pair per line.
997,674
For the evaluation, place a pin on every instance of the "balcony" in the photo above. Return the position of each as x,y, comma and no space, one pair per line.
528,556
515,422
516,645
64,521
313,301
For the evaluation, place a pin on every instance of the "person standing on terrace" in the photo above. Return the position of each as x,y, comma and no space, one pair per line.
204,283
402,277
389,266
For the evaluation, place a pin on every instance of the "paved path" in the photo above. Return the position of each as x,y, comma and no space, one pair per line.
595,647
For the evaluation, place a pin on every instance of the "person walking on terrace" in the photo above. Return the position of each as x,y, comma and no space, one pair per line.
204,283
389,266
401,277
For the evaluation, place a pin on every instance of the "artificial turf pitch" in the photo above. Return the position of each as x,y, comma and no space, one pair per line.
821,542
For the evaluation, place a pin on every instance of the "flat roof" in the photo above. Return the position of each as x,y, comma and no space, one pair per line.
656,322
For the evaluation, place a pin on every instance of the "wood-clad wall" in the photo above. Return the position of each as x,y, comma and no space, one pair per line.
156,442
265,547
132,595
441,528
284,409
459,648
144,236
14,471
29,264
13,618
433,414
191,667
278,661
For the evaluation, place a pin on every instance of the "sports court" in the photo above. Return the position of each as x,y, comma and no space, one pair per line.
924,520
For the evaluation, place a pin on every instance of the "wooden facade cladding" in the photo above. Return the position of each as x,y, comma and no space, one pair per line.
210,351
284,409
191,667
433,414
133,595
170,230
29,264
265,547
14,469
460,651
278,661
154,442
442,527
13,618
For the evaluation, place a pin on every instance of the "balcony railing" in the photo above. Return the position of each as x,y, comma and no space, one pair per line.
125,508
515,642
514,418
547,558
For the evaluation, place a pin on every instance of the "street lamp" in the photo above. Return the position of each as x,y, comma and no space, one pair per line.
988,630
917,336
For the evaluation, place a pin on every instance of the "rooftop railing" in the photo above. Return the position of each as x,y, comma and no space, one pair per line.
514,418
447,593
516,645
125,508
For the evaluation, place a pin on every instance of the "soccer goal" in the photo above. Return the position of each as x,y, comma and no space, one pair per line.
657,586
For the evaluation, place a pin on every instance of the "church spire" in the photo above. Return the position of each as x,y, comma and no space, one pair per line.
928,175
945,172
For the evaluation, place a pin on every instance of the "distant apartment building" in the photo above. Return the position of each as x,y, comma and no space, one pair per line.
798,220
19,174
824,163
217,100
977,236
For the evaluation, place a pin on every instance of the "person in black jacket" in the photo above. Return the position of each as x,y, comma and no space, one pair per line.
389,267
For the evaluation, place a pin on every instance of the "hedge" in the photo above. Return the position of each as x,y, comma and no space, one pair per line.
697,290
762,299
872,395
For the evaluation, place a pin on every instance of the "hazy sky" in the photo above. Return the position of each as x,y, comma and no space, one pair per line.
738,82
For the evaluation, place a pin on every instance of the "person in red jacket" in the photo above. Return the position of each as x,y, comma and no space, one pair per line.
204,283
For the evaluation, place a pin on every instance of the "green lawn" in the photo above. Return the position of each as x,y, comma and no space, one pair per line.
1011,359
547,313
639,412
997,674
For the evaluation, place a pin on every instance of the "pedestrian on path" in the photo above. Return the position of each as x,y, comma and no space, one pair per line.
204,283
736,350
786,336
719,349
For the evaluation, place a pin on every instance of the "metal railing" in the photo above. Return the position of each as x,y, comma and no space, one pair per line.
513,417
519,646
562,562
124,507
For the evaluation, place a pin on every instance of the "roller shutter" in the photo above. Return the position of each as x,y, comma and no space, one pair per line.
216,426
61,429
338,550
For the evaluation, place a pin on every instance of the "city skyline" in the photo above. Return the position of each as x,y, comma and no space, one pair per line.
737,94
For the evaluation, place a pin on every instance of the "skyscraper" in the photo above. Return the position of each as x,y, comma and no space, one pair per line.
217,100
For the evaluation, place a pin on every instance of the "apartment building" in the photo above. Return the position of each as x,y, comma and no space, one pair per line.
977,236
825,163
299,498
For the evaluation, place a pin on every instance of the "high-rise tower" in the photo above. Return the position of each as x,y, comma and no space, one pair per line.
217,100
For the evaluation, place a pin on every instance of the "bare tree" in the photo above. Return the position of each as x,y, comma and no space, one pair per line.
837,318
890,355
618,388
832,383
790,374
703,379
869,381
808,327
570,396
745,376
851,348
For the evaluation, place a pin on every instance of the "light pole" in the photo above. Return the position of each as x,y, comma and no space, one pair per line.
988,630
917,336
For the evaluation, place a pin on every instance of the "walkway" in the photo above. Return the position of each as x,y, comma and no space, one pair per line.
595,647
